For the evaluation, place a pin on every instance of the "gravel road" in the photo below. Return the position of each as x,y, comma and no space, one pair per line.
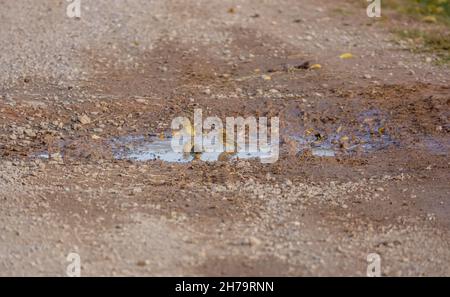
364,145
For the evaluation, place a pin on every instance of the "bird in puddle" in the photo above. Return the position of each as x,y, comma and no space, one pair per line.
189,147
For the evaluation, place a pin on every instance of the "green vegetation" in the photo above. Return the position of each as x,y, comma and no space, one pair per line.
431,11
440,8
433,41
431,38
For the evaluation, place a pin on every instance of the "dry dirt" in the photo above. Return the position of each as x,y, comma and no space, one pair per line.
70,86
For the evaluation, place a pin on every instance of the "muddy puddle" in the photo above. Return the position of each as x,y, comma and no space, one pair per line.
323,145
150,148
368,136
142,148
336,145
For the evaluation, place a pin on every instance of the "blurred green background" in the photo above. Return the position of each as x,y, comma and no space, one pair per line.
437,9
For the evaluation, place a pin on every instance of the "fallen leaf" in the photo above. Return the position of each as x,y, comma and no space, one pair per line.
309,131
429,19
344,138
315,66
346,56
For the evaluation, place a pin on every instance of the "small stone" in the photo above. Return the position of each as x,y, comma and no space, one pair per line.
163,68
84,119
156,180
143,263
242,164
253,241
137,190
56,157
29,133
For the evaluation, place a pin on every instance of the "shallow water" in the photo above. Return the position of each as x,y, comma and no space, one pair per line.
322,152
142,148
364,140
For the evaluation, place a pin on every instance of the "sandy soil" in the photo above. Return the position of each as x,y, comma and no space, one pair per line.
70,87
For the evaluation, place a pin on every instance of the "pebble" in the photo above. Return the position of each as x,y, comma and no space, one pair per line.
84,119
29,133
143,263
253,241
137,190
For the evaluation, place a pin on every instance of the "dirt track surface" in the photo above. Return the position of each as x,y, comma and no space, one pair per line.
68,87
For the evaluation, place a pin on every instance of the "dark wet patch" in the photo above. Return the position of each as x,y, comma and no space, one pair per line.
368,136
433,145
